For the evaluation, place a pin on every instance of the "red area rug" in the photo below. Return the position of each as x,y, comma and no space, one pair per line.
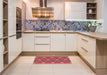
51,60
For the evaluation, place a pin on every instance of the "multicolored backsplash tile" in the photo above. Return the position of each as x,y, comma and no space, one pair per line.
48,25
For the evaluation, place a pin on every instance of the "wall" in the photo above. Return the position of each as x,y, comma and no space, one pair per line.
105,16
58,8
57,4
48,25
100,13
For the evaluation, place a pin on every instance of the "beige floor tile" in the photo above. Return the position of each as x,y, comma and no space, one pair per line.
24,66
41,73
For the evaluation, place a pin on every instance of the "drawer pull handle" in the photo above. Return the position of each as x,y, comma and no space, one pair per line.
84,49
84,40
42,36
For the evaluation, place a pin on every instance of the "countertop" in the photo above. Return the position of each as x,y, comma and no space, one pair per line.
96,35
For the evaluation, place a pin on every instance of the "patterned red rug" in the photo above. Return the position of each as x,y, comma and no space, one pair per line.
51,60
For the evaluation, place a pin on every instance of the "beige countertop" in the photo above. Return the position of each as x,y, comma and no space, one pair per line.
96,35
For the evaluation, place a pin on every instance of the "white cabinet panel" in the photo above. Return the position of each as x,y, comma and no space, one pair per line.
1,16
92,52
42,40
87,48
42,47
57,42
1,55
1,61
12,17
71,42
19,45
75,10
12,48
28,42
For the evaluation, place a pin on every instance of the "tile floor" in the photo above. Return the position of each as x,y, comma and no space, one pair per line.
24,66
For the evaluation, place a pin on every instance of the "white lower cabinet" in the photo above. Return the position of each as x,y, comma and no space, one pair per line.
87,48
58,42
71,42
28,42
1,55
42,42
19,45
12,48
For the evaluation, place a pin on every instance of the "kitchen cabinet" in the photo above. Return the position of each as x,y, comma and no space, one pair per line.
42,42
12,17
1,24
28,42
12,48
19,45
1,55
75,10
87,48
58,42
71,42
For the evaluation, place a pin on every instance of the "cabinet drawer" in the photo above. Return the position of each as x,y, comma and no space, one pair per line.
42,40
42,34
84,40
42,47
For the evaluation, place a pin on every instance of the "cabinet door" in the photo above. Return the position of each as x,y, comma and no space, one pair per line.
1,55
12,48
28,42
75,10
71,42
1,10
12,17
57,42
19,45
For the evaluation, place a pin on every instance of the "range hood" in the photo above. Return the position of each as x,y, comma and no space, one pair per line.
43,11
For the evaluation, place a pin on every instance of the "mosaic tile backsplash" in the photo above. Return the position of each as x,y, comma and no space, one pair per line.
48,25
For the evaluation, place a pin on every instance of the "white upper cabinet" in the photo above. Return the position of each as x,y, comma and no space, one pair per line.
28,42
75,10
1,10
12,17
71,42
58,42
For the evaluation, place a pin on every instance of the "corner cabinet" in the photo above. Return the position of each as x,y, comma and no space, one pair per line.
58,41
87,49
75,10
71,42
